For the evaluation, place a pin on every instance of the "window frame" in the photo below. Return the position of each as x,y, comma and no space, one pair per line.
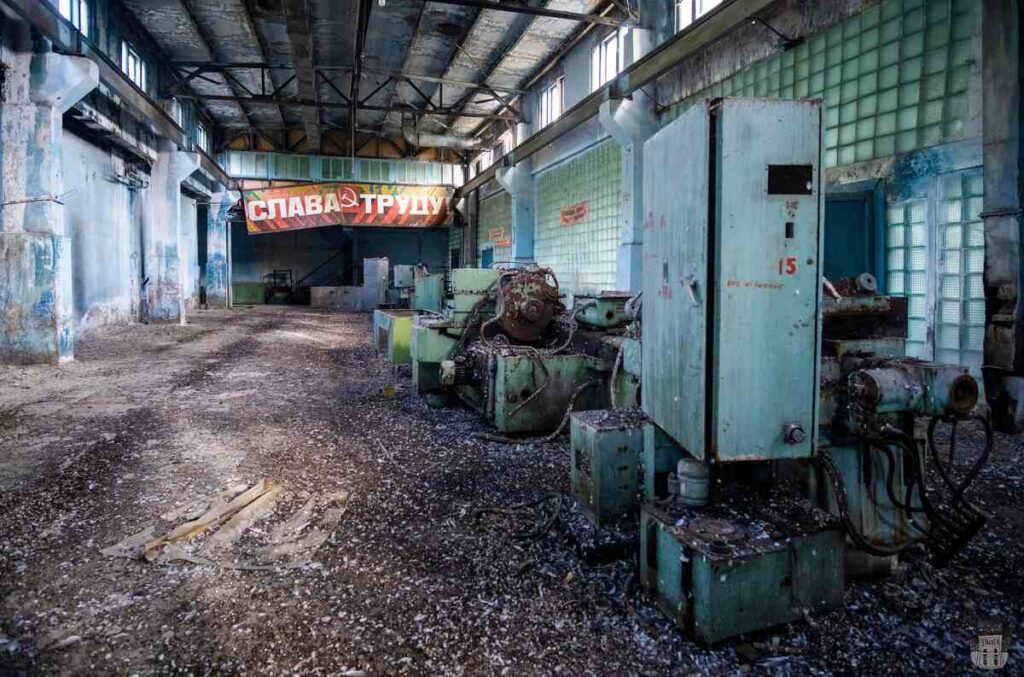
697,9
601,70
133,65
202,137
77,12
552,102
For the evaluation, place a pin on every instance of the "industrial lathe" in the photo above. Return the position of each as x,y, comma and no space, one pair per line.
506,346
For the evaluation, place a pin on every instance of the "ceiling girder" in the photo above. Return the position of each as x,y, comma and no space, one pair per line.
297,25
241,65
304,103
517,8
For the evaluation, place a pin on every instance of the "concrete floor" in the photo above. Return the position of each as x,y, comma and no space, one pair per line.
411,580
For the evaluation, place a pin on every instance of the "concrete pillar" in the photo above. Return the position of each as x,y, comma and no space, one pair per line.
1003,156
164,275
518,182
659,18
36,310
218,250
630,122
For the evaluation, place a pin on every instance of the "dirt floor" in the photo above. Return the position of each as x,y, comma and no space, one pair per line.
410,579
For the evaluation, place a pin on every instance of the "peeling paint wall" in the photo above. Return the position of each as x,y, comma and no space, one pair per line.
99,220
189,238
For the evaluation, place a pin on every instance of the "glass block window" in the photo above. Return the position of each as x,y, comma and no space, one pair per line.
251,164
906,266
494,228
579,206
894,78
960,322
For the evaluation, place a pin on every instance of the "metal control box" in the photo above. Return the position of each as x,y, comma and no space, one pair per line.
604,449
732,278
403,276
720,578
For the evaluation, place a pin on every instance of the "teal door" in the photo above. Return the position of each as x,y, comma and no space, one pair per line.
487,258
849,235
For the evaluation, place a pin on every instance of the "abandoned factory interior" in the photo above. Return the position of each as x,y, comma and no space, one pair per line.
511,337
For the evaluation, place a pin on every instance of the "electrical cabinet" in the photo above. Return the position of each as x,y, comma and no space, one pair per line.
732,278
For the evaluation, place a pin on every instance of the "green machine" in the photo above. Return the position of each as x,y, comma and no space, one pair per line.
392,333
393,327
428,293
778,455
507,346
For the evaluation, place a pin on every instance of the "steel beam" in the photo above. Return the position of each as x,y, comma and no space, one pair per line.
264,49
709,28
303,103
517,8
44,17
216,67
208,44
297,27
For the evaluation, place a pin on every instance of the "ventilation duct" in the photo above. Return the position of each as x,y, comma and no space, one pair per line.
421,140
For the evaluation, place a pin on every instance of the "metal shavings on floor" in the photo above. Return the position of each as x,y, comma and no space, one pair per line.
380,502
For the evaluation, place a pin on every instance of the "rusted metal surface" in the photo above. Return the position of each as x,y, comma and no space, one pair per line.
528,302
865,318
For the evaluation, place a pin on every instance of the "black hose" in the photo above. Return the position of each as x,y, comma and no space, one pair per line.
890,475
859,540
958,489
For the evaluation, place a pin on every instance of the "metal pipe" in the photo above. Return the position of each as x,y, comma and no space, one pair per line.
421,140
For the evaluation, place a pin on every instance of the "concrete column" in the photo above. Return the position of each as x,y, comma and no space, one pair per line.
518,182
164,276
1003,156
630,122
218,251
36,310
659,18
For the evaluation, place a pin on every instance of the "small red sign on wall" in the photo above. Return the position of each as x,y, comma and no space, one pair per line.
572,215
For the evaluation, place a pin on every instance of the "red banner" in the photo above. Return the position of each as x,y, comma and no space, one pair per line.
574,214
270,210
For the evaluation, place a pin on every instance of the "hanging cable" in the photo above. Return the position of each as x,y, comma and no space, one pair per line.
945,473
842,504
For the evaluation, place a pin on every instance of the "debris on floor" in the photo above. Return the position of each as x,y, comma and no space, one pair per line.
213,526
372,559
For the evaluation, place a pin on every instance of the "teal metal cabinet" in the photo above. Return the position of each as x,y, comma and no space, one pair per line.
604,448
731,278
429,293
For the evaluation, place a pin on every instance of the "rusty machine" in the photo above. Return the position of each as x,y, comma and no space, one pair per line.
506,345
777,454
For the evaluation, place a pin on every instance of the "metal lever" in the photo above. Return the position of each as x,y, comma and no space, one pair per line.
690,282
